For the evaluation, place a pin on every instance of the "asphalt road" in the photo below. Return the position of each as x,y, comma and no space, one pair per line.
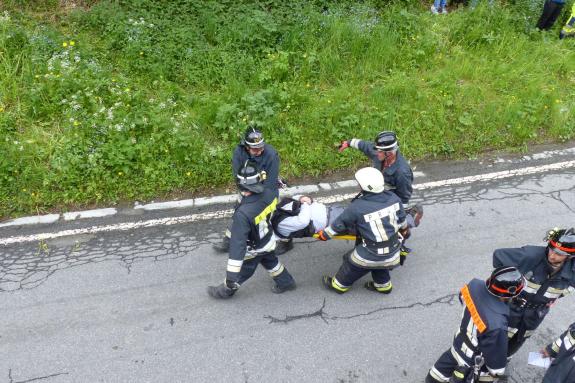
132,306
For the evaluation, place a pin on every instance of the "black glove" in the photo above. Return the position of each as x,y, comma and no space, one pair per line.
223,291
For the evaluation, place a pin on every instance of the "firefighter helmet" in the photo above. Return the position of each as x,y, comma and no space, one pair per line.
249,178
505,282
386,141
370,180
562,241
253,137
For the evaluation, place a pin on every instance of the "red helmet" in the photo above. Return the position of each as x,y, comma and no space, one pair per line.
562,241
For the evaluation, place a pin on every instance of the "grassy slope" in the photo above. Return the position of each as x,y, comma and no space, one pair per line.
149,98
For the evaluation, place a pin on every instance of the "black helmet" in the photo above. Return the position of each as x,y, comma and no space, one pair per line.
253,137
562,241
250,178
505,282
386,141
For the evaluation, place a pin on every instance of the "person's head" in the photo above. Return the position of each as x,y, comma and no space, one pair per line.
505,282
560,246
254,140
250,179
386,146
305,199
370,180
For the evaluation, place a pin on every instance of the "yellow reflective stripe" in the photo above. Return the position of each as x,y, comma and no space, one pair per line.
336,285
267,211
277,270
384,287
458,374
475,317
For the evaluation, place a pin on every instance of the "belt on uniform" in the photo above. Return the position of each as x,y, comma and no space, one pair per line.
525,304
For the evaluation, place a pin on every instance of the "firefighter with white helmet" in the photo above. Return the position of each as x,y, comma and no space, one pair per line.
377,218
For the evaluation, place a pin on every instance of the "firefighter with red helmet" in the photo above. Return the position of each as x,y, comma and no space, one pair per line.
479,349
550,274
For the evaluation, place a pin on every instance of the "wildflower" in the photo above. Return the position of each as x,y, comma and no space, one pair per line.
120,174
307,85
557,101
76,123
189,174
141,53
329,101
1,109
37,76
127,90
64,44
72,43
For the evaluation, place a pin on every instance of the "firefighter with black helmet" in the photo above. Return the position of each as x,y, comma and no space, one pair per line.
377,218
252,239
550,273
254,148
386,157
479,349
562,368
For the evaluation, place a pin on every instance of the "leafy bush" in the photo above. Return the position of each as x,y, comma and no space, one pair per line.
108,100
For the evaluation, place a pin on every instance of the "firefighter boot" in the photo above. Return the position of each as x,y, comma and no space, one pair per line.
331,283
283,246
380,288
223,246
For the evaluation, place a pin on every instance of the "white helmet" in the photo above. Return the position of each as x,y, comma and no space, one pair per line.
370,180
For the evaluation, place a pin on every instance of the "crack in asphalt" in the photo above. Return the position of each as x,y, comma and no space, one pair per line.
22,269
321,313
318,313
11,379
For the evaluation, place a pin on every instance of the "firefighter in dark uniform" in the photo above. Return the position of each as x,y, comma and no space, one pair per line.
252,239
550,273
562,369
385,156
253,148
479,349
376,217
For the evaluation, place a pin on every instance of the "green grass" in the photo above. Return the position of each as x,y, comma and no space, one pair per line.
148,98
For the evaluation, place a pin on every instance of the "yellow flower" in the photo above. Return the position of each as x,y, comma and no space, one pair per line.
24,190
64,44
307,85
72,43
189,174
304,55
1,109
120,173
127,89
76,123
329,101
558,101
37,76
141,53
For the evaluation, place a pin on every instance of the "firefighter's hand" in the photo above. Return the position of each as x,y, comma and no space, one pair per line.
323,236
405,232
343,145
